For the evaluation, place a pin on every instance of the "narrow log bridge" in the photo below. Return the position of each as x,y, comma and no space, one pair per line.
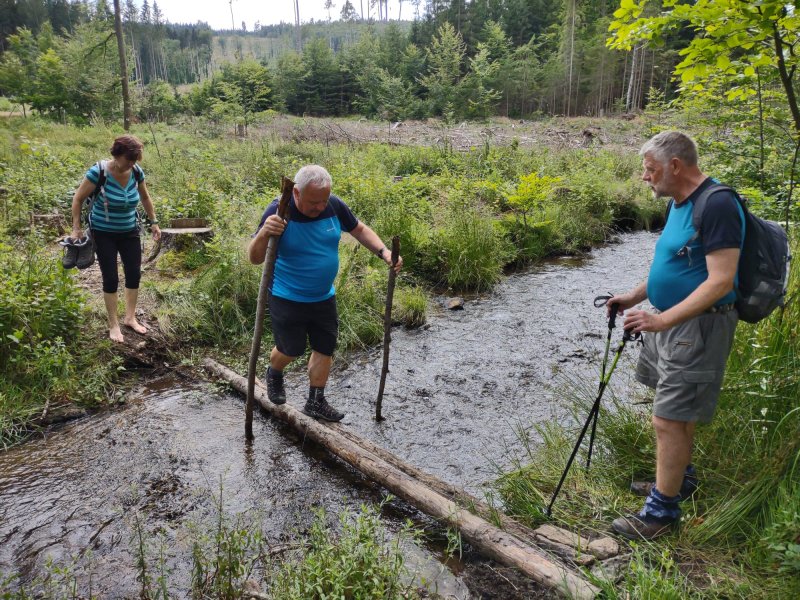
511,546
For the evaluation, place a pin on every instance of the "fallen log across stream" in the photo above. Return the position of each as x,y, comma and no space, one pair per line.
434,497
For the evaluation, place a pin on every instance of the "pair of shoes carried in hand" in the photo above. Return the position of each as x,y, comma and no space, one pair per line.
77,253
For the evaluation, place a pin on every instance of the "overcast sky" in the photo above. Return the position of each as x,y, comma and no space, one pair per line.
217,13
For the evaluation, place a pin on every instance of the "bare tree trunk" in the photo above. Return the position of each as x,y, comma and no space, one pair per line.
298,39
571,23
123,68
634,78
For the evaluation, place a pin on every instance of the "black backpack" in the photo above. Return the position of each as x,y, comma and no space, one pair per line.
100,189
764,261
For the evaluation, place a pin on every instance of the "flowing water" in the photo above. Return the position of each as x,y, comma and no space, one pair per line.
458,390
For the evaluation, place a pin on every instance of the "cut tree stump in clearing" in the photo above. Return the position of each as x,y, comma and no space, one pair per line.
181,239
491,541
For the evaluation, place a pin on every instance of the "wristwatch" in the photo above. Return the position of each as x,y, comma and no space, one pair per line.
380,252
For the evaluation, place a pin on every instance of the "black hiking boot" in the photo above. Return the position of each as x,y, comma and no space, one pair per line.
689,487
275,391
318,407
637,527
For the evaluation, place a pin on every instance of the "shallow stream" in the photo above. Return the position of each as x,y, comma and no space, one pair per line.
458,390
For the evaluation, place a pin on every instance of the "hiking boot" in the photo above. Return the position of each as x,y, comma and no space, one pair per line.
85,257
70,258
688,488
318,407
275,391
637,527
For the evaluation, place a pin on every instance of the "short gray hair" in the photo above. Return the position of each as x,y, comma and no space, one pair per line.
313,175
671,144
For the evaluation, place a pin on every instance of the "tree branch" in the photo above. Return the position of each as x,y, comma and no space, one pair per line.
786,78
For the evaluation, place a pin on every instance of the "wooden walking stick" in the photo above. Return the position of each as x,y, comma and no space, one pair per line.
287,185
387,326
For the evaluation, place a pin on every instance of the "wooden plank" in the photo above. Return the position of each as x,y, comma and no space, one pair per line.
488,539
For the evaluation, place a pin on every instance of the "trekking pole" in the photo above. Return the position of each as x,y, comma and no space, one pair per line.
604,379
387,326
600,302
287,185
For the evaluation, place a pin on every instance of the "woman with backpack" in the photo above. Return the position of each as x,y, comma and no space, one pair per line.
114,188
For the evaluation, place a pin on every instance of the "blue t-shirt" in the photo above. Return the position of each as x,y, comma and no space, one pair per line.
673,277
308,251
115,206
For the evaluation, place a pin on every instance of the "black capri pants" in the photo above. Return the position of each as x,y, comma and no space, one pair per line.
129,247
294,322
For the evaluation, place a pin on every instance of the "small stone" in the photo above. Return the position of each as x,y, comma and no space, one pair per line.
455,303
612,569
604,547
562,536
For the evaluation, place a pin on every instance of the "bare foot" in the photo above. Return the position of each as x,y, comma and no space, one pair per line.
115,334
135,325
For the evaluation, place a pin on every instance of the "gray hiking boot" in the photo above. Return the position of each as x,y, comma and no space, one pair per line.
637,527
85,258
318,407
70,258
275,391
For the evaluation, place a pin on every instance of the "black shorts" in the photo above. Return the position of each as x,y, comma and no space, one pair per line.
293,322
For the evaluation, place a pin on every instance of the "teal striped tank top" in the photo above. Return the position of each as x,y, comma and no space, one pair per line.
114,209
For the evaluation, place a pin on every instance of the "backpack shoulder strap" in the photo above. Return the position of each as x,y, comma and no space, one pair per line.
101,177
700,205
669,209
138,174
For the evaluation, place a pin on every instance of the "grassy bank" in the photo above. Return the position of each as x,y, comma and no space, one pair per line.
462,217
741,537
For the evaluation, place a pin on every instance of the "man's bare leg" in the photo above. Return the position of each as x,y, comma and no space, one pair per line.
278,360
673,453
319,368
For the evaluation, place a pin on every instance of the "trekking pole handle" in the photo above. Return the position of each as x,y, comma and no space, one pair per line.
601,301
612,317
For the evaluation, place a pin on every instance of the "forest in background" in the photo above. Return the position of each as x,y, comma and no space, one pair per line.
458,60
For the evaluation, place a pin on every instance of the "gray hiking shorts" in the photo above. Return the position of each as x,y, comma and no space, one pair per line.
685,365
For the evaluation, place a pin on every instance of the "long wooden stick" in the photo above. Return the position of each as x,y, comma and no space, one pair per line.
287,185
485,537
387,326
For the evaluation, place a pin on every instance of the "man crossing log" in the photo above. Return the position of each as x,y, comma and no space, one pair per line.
302,303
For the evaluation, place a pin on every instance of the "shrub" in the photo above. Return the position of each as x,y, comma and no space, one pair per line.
359,562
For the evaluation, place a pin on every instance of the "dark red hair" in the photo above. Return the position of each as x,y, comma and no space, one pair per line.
127,146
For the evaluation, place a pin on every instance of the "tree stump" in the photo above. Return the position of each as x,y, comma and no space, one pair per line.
181,239
50,222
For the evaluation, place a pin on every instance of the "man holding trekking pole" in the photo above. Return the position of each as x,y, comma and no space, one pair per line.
302,303
689,335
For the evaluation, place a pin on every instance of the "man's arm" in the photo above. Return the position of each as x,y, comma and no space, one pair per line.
257,250
722,265
370,240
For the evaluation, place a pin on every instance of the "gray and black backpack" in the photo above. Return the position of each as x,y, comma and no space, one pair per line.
763,264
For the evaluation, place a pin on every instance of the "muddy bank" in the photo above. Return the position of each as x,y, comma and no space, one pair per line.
457,391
